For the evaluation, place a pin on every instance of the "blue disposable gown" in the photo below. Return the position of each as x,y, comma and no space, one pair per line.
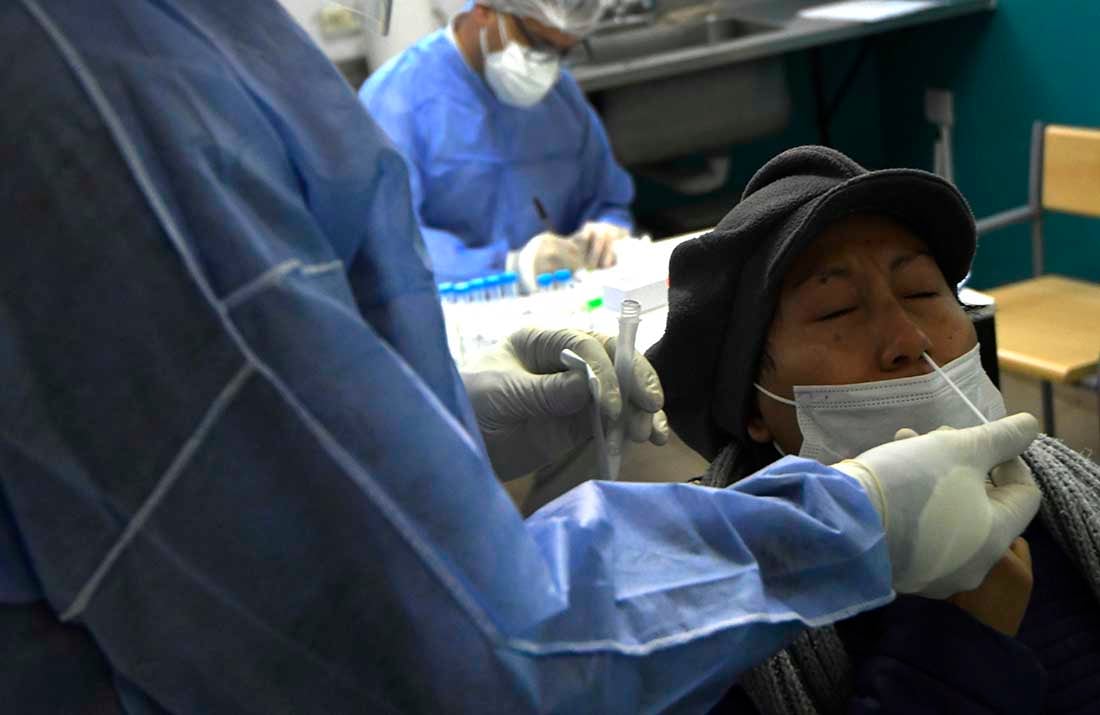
476,164
239,472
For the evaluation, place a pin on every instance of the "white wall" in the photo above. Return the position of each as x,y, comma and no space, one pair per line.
411,20
305,12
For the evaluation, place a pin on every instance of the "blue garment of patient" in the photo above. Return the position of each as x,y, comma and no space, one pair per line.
476,164
238,471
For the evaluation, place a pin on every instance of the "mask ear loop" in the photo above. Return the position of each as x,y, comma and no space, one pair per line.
955,387
774,396
501,30
484,43
782,400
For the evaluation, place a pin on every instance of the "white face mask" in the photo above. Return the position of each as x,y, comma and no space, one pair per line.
515,76
842,421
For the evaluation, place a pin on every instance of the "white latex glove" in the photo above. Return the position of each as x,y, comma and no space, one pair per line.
597,240
546,253
532,411
945,527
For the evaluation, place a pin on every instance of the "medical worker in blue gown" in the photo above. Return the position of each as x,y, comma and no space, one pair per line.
240,473
489,120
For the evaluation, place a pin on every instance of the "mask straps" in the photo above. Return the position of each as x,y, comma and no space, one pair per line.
774,396
504,38
777,398
955,387
484,44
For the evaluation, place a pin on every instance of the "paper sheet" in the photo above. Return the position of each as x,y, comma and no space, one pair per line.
865,10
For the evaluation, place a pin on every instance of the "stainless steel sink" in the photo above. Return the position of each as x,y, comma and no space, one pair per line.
703,111
689,27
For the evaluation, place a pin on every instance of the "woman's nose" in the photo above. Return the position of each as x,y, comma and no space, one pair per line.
903,340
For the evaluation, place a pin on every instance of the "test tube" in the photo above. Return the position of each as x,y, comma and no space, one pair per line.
510,284
477,290
563,279
450,319
544,281
461,292
493,286
461,295
629,317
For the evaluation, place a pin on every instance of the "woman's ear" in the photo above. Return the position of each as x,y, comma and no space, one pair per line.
757,428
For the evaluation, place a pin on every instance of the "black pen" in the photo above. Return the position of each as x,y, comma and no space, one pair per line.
543,216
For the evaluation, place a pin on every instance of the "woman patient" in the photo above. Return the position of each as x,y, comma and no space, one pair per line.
808,323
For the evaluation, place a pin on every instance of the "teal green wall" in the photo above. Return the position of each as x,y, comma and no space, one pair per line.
856,127
1027,60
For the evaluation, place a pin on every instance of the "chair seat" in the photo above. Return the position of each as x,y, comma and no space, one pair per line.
1049,328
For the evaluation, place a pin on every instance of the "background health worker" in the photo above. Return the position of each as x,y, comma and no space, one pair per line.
240,473
488,121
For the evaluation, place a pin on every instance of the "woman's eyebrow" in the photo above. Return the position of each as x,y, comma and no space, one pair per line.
823,274
907,258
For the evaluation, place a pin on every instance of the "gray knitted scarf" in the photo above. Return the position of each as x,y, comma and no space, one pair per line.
813,676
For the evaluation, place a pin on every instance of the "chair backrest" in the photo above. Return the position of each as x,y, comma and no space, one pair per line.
1064,176
1071,170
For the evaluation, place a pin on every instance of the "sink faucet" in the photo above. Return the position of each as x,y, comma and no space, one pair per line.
622,9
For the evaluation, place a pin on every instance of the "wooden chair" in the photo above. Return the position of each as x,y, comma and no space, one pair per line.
1048,327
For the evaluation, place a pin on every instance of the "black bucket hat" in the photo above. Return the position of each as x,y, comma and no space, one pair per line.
723,286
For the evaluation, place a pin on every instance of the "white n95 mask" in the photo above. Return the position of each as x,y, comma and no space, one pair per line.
843,421
515,76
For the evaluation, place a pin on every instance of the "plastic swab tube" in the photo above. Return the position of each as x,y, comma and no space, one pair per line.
629,316
576,363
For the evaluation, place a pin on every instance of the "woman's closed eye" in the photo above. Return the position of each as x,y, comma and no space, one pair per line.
837,313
